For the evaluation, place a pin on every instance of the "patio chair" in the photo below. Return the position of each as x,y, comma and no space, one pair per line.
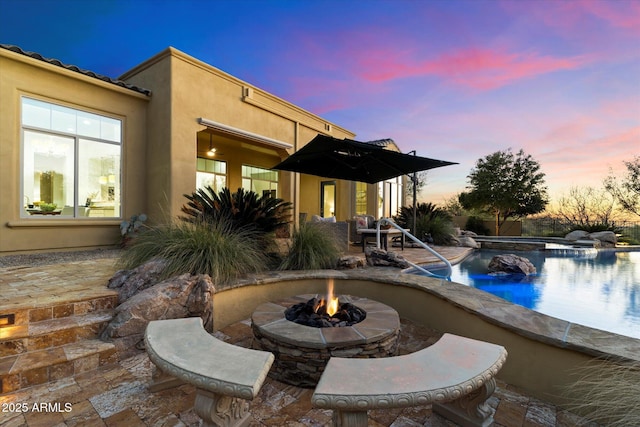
358,222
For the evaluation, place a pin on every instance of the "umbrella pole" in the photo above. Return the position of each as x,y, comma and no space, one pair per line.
414,180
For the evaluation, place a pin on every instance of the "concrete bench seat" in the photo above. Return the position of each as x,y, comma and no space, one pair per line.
226,376
455,374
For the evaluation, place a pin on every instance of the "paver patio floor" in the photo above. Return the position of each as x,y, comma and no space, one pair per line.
117,394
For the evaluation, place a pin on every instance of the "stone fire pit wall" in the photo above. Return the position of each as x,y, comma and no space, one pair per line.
302,352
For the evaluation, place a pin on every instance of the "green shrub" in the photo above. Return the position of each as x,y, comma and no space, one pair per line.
440,229
430,220
626,240
312,248
217,249
594,228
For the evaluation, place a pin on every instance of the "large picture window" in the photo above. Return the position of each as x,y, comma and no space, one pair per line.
390,197
211,173
259,180
71,162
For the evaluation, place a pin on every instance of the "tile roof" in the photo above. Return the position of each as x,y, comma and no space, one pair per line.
387,143
58,63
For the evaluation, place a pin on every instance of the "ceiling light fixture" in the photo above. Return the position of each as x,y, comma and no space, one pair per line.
212,151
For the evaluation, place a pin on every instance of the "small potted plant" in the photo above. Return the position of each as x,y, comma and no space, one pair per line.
48,207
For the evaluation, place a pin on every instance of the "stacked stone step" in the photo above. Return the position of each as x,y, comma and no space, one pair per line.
48,343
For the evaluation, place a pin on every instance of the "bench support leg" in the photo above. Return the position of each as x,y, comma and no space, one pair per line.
470,410
217,410
350,418
162,381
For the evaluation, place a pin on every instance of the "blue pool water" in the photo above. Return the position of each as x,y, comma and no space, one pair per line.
600,290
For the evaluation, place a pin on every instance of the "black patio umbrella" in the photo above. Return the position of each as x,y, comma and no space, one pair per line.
354,161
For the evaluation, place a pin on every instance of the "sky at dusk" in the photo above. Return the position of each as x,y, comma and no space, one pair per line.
454,80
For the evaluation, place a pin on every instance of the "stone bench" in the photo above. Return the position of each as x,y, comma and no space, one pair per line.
226,376
455,374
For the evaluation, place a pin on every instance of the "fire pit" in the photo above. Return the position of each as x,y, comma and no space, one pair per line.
317,313
301,351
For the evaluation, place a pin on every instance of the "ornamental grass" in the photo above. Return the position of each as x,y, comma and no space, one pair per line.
313,247
607,392
218,249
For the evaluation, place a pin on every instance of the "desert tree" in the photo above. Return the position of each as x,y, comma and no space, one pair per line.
627,190
507,186
453,206
585,207
420,182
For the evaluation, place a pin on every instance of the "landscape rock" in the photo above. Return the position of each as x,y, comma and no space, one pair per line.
468,233
511,264
468,242
607,239
350,262
577,235
178,297
130,282
381,258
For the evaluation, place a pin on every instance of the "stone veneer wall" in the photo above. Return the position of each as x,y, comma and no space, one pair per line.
302,352
303,366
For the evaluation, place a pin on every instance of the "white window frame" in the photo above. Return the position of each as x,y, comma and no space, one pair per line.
251,179
78,201
215,174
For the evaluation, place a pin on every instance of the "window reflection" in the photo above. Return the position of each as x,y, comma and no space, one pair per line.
259,180
211,173
65,173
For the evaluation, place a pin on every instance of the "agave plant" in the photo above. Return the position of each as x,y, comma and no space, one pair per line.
428,210
430,220
245,209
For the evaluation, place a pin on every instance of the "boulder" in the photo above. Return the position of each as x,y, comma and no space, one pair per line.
175,298
468,242
577,235
607,239
350,262
511,264
381,258
130,282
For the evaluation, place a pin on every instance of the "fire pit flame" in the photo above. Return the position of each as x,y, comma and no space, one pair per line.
325,312
331,302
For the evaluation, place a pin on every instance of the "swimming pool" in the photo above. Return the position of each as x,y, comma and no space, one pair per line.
600,290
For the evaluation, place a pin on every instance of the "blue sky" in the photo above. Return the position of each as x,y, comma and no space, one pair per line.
454,80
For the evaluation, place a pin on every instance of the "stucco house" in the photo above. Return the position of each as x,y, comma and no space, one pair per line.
80,152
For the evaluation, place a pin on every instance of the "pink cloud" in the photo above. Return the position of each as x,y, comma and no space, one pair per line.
625,15
579,18
481,69
586,162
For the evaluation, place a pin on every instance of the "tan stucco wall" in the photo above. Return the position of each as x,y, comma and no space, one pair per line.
162,140
541,368
197,90
23,75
